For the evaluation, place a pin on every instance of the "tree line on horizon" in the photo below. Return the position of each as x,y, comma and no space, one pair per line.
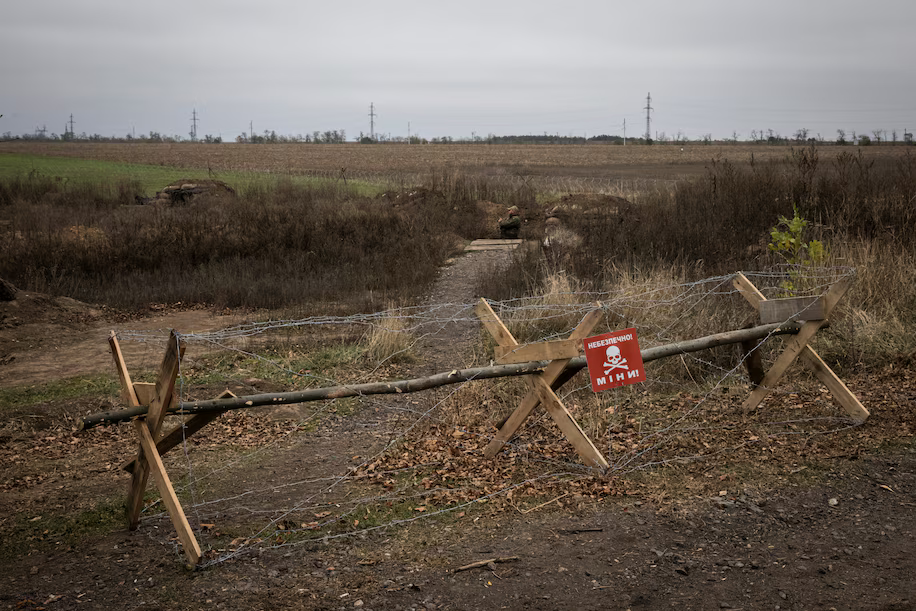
339,136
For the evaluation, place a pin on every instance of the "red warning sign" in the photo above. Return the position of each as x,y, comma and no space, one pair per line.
614,360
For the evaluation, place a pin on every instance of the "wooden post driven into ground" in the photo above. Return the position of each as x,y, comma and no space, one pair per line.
815,314
160,397
543,384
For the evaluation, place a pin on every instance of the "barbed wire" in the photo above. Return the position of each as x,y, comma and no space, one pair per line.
661,313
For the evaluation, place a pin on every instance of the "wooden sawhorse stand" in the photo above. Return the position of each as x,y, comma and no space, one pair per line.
542,385
159,397
815,312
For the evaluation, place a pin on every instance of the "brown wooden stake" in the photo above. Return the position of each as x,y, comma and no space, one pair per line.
165,389
753,360
542,390
798,347
179,520
574,433
834,384
127,387
183,431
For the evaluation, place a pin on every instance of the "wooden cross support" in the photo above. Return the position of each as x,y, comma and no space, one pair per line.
815,313
542,385
159,397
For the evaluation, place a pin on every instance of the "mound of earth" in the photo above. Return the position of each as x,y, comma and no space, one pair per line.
588,204
7,291
32,320
186,190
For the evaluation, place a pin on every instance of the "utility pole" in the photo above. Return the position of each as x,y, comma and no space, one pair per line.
372,117
194,124
251,131
649,109
624,131
72,133
408,132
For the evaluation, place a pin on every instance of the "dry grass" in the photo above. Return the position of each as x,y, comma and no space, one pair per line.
389,340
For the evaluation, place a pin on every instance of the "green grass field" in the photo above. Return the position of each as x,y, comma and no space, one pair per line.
151,178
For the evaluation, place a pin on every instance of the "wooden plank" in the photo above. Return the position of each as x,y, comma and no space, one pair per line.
127,387
793,308
165,385
753,360
497,241
145,391
183,431
748,290
580,441
551,374
493,324
179,520
473,248
794,347
542,351
834,384
164,395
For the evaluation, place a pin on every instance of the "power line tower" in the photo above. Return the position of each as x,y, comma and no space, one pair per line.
649,109
194,124
372,117
71,133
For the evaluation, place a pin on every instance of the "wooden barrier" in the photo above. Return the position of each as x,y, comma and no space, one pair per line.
545,365
798,346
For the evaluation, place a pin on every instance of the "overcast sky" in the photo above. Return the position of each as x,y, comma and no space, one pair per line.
573,67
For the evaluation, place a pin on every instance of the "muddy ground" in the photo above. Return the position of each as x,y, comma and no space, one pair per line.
831,529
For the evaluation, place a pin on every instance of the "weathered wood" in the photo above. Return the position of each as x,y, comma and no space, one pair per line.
493,324
753,359
145,391
555,370
541,386
127,387
792,308
796,345
179,520
747,289
183,431
571,429
475,248
165,385
480,563
440,379
542,351
158,408
834,384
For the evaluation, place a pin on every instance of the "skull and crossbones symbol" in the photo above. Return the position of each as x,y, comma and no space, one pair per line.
614,360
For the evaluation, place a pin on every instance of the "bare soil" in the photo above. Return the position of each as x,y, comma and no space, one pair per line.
579,161
837,532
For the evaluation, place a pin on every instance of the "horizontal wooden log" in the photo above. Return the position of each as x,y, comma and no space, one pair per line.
455,376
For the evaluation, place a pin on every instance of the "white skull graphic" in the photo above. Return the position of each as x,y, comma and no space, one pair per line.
613,355
614,360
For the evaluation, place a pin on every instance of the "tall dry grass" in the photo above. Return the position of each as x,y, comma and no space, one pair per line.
274,245
863,208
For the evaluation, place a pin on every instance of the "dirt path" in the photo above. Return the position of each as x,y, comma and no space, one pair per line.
50,339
